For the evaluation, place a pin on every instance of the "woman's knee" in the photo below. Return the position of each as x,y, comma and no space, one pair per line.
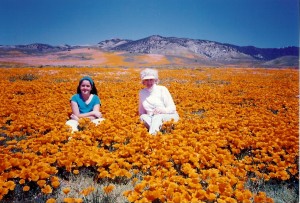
144,118
98,120
169,117
73,124
176,117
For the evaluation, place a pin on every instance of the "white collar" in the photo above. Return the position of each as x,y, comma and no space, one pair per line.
151,89
89,99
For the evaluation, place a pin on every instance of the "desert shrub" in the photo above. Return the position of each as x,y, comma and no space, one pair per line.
24,77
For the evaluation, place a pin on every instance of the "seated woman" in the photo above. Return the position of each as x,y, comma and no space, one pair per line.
155,102
85,104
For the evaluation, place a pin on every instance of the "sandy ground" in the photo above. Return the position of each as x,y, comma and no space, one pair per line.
86,57
79,57
91,57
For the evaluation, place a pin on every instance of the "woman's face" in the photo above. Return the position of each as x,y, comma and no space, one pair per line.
85,87
148,83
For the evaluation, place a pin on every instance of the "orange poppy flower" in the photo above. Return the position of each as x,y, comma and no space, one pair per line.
41,183
78,200
43,175
10,185
69,200
177,197
47,189
54,178
66,190
26,188
213,188
211,196
87,191
133,197
51,200
55,184
22,181
108,189
262,197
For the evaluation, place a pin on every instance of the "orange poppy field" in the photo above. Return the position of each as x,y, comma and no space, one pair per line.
236,125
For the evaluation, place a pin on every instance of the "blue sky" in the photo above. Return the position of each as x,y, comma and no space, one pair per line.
261,23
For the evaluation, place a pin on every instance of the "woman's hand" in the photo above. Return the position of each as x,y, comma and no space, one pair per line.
97,114
74,117
92,115
159,110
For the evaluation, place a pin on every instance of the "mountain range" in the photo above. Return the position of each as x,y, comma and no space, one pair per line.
175,50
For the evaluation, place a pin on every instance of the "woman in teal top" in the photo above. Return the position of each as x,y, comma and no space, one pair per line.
85,104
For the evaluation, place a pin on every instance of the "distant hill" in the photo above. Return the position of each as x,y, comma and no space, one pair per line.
268,53
166,50
209,50
110,44
284,61
36,48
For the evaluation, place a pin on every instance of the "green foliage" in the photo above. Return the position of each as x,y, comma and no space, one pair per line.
24,77
279,191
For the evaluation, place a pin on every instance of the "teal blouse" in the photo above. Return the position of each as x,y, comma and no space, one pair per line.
83,107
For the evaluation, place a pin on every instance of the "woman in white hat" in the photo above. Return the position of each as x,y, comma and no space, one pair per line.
155,102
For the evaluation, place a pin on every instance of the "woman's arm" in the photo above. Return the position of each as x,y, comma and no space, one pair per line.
96,110
141,108
168,103
92,115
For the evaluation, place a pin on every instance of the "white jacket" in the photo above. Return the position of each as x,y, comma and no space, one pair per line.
157,97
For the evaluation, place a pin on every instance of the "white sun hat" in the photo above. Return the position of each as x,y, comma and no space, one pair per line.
149,74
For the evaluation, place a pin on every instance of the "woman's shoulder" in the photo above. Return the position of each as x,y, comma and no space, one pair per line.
144,90
75,96
96,96
161,87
